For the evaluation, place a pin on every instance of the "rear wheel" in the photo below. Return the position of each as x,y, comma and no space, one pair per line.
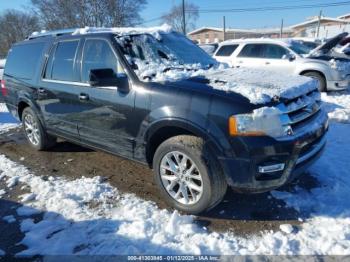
188,175
320,78
34,131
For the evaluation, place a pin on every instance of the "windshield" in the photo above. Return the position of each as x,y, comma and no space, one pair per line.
299,48
170,51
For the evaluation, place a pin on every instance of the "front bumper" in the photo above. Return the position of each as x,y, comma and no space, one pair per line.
338,85
296,153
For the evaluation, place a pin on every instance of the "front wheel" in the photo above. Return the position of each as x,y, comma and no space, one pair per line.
321,80
34,131
188,175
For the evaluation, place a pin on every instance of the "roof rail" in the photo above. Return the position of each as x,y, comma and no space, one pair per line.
52,33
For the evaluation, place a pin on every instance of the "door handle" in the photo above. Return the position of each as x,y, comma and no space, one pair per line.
267,63
41,90
83,97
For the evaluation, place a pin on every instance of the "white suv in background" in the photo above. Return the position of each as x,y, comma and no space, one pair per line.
288,57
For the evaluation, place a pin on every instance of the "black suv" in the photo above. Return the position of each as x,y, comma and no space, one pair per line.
139,95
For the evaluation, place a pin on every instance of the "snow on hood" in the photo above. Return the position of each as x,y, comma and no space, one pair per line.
258,86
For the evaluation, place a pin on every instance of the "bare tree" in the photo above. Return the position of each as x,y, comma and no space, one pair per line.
56,14
15,26
175,16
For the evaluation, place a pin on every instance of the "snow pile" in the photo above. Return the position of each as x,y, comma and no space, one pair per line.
88,216
6,120
337,104
328,228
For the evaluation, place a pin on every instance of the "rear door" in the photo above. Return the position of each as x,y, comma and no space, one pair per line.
251,56
60,88
225,52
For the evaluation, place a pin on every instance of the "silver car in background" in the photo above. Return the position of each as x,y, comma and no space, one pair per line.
288,57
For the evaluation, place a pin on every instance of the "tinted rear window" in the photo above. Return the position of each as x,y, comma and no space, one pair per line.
24,59
61,62
226,50
252,50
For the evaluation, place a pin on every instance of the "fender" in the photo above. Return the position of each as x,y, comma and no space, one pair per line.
317,66
191,121
23,97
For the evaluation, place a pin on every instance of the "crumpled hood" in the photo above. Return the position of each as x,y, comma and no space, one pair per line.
328,46
260,86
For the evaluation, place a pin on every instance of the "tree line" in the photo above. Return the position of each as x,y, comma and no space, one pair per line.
16,25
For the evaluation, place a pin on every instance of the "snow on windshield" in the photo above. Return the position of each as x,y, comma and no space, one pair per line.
151,57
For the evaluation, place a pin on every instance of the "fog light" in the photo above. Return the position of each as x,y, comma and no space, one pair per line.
271,168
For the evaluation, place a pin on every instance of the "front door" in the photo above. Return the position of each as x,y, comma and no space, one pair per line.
110,111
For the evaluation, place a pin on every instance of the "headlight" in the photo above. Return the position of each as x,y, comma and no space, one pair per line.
262,122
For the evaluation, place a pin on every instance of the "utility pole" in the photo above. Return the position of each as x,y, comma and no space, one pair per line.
183,17
224,27
281,31
319,24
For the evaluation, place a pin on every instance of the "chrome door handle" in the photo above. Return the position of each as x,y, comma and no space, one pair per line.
267,63
41,90
83,97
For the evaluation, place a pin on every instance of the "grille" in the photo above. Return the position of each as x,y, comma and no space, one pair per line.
299,111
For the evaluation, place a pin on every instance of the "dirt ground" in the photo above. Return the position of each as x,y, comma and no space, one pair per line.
242,214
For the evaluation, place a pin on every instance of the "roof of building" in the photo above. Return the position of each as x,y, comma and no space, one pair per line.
228,30
315,20
344,16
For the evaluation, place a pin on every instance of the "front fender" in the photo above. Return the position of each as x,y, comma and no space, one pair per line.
194,122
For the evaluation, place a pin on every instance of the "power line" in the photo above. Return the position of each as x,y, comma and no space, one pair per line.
270,8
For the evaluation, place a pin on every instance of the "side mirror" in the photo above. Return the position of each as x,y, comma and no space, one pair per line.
289,57
106,77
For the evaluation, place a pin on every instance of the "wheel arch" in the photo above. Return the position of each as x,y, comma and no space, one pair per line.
167,128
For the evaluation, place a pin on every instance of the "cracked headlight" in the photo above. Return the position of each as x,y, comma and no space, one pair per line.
265,121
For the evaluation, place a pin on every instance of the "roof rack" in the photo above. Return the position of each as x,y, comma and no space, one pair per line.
52,33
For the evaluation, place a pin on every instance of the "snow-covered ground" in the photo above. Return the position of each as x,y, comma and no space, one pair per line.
89,216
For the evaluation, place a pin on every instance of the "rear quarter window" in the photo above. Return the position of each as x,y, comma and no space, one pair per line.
23,60
226,50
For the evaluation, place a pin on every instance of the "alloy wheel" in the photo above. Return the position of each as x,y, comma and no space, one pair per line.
181,178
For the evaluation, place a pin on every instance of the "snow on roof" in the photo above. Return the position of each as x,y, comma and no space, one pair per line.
343,16
117,30
254,40
315,20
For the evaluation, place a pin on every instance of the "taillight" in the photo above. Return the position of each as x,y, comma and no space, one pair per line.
3,88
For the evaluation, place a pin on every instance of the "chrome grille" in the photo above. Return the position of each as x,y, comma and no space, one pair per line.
297,111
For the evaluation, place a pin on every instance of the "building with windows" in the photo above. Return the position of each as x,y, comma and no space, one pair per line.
329,27
206,35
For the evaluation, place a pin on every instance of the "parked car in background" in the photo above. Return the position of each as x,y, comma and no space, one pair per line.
153,96
209,48
288,57
2,66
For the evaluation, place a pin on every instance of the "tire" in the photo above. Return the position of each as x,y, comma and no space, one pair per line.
320,78
35,132
212,180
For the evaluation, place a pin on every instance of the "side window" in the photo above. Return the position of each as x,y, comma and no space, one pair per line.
274,51
97,54
226,50
23,60
60,65
252,51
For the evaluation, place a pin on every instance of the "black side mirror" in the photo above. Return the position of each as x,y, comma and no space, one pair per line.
106,77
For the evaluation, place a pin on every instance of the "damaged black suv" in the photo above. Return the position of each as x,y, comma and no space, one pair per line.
153,96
